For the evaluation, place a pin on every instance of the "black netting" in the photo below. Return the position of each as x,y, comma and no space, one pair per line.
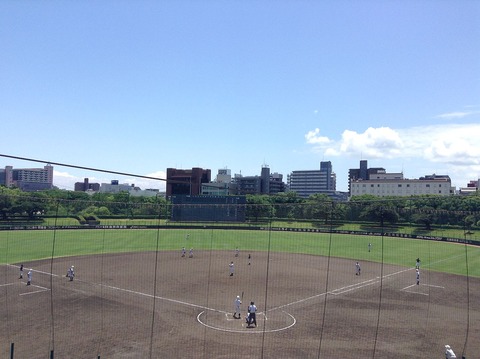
153,279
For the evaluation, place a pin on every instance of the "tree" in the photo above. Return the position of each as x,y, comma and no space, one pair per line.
425,217
7,201
32,204
318,206
259,206
380,212
285,204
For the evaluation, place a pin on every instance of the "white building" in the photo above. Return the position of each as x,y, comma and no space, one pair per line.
393,186
115,187
471,188
222,186
308,182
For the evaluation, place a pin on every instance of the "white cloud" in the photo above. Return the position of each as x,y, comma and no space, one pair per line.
455,115
145,183
454,144
64,180
313,137
452,149
380,142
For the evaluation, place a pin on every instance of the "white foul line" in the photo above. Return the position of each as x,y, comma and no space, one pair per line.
342,290
42,289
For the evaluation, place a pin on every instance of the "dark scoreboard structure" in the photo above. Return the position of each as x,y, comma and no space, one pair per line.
186,208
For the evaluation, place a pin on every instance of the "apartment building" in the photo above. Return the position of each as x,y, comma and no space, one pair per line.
392,185
266,183
308,182
27,179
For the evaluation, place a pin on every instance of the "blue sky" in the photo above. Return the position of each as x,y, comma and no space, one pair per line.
140,86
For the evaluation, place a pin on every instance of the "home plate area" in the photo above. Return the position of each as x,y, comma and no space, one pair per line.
273,321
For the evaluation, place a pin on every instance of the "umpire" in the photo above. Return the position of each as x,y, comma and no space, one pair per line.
252,316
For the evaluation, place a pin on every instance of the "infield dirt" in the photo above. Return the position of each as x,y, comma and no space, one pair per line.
160,305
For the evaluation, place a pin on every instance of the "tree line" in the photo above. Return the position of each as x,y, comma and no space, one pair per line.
425,210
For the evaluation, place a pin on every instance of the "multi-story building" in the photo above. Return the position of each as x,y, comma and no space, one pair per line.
86,186
440,185
276,184
27,179
186,182
263,184
472,187
308,182
362,173
222,186
115,187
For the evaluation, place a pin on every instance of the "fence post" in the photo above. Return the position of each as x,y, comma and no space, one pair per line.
12,349
51,354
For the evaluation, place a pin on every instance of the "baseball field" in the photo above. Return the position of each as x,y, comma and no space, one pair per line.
135,296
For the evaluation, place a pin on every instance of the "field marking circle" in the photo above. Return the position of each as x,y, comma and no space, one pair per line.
245,330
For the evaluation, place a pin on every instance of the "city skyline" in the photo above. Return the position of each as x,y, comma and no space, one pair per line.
159,183
139,87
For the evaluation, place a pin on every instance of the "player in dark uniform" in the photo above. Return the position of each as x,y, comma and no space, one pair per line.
252,315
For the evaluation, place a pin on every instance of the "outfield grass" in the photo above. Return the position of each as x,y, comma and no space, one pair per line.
450,232
24,246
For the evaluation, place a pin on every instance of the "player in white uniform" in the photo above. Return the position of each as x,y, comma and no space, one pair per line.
449,354
184,252
237,251
417,264
417,273
71,273
232,268
357,268
191,253
29,277
237,304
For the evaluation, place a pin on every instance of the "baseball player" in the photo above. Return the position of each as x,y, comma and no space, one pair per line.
357,268
21,271
417,264
418,276
249,259
236,304
237,252
369,247
449,354
232,268
71,273
184,252
252,316
191,253
29,277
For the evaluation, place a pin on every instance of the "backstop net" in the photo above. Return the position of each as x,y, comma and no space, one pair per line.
239,277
